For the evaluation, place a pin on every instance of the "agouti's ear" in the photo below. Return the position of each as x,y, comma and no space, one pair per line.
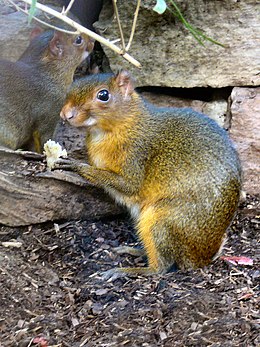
35,32
56,44
125,83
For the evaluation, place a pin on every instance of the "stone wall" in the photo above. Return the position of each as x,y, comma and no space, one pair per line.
169,54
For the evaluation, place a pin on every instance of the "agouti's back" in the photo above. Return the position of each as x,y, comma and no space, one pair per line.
196,174
187,143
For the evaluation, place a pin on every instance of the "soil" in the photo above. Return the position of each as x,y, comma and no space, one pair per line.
52,292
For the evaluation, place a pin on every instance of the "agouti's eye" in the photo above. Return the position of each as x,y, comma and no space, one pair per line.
103,95
78,41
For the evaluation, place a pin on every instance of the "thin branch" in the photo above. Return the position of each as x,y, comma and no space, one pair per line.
53,26
134,25
115,41
119,26
65,12
88,32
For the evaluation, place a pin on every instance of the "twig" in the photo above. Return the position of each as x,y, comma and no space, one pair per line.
134,25
88,32
65,12
53,26
119,26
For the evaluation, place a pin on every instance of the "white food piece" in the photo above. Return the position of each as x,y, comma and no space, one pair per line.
53,152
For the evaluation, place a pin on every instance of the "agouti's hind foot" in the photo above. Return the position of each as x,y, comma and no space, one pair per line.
112,274
118,272
137,252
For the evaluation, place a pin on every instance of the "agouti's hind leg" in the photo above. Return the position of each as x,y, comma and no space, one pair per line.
153,233
146,228
115,273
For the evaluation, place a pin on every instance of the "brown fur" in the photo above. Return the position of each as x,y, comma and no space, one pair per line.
175,170
33,89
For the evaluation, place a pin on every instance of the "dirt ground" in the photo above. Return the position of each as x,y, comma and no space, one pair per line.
52,293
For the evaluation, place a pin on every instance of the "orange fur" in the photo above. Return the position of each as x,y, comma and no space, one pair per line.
175,170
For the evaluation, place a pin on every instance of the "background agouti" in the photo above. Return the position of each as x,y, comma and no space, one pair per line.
33,89
175,169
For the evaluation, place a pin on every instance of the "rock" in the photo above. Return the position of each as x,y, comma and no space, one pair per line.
215,109
15,29
245,131
169,54
15,33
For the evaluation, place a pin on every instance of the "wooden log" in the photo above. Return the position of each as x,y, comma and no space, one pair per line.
30,194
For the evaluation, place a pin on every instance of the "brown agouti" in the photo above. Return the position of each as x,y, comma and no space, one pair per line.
175,169
33,89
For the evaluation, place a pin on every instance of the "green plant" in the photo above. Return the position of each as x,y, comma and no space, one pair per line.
161,6
32,10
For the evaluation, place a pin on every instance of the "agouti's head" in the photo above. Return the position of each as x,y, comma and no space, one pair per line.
56,48
102,101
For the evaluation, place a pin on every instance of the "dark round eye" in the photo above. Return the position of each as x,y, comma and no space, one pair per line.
103,95
78,40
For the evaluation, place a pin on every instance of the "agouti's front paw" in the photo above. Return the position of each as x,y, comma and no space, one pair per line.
65,164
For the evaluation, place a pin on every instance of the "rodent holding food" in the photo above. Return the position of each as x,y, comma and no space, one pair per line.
33,89
175,169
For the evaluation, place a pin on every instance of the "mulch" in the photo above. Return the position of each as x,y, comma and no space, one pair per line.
52,293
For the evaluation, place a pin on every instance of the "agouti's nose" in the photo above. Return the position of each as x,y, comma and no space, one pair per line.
68,112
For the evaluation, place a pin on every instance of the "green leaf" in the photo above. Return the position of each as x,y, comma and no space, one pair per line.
197,34
32,10
160,6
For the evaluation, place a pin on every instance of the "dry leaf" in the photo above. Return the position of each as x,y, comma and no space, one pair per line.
238,260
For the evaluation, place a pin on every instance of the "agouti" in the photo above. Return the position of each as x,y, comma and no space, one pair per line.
175,169
33,89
